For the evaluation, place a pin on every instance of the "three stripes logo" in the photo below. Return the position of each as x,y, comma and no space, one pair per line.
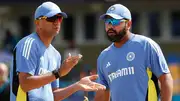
108,64
27,47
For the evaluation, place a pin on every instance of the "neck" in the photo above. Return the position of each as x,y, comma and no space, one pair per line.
124,40
45,39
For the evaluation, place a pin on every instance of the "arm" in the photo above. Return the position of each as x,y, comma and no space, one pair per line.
159,67
29,82
102,96
62,93
27,64
166,83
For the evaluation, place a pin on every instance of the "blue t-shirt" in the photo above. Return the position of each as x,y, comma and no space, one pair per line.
33,57
127,71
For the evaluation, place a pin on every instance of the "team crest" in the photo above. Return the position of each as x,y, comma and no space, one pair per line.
130,56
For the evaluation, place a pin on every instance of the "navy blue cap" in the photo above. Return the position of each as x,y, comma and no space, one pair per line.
117,11
48,9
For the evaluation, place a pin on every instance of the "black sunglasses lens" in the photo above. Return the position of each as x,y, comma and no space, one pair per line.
53,19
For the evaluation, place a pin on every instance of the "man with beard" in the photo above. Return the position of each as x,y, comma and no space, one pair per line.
37,64
132,65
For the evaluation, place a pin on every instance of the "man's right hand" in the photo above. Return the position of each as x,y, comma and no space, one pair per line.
68,64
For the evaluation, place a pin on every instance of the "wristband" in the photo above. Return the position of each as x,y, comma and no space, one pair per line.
56,73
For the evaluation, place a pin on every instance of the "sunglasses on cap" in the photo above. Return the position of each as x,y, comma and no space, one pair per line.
51,19
114,22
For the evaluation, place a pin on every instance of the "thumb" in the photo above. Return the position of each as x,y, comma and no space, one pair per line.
69,55
80,56
93,77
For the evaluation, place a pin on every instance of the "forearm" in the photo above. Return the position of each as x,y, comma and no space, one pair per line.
102,96
166,92
31,82
166,89
63,93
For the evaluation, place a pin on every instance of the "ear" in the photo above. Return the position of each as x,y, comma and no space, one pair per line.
128,24
36,22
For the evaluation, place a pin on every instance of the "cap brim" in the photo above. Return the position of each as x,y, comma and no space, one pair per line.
115,16
63,14
50,14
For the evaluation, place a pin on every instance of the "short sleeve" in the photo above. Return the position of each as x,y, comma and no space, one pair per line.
101,79
27,57
156,59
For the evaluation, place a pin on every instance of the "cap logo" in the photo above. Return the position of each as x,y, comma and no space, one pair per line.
112,8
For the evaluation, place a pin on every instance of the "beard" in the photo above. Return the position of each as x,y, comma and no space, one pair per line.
114,36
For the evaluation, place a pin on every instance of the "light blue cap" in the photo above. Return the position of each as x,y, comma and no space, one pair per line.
117,11
48,9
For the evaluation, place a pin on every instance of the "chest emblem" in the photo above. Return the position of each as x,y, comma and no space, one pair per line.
130,56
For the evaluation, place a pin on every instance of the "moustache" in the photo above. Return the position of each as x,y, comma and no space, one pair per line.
111,30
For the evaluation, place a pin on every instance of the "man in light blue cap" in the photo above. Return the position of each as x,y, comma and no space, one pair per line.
117,11
48,9
37,67
132,65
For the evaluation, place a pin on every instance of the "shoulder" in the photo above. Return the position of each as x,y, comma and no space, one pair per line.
29,41
145,42
28,46
105,52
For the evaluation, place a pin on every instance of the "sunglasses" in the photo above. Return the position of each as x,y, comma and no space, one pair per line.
114,22
51,19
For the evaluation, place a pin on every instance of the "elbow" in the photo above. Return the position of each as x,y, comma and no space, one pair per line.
166,80
24,83
99,96
24,87
169,80
56,97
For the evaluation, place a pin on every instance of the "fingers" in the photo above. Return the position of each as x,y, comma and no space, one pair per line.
71,58
93,87
69,63
74,59
99,86
69,54
80,56
93,77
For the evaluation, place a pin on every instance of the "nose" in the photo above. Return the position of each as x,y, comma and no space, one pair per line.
109,25
56,22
